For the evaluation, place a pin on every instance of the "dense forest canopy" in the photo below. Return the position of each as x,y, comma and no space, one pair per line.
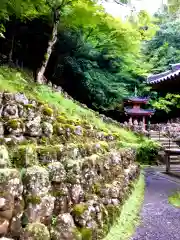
95,57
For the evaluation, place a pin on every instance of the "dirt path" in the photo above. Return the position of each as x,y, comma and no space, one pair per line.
160,220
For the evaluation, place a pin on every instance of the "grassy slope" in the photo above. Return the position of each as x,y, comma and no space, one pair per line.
16,81
175,199
129,218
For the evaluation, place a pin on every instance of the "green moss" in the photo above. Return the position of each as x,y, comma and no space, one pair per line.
113,213
43,140
71,127
37,231
59,193
22,173
86,233
2,141
104,145
24,156
51,150
33,199
116,135
76,234
29,106
175,199
14,123
46,56
79,209
47,111
96,188
61,119
24,220
54,221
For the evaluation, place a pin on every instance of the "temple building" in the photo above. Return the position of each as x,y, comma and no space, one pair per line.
135,112
168,81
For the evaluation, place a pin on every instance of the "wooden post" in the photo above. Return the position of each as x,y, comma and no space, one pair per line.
167,162
144,123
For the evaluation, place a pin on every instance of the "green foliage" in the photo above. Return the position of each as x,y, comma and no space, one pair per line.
164,48
129,217
147,152
86,233
17,81
175,199
167,103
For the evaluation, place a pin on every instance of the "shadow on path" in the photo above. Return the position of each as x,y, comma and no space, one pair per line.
160,220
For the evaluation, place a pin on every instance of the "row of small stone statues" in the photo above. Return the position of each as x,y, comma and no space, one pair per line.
134,123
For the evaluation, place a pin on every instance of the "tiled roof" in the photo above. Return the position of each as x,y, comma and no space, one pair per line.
140,111
170,74
138,99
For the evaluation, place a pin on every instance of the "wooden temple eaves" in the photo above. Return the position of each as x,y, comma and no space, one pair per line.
166,80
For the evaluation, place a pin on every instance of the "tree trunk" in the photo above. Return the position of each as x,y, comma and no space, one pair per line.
10,58
51,43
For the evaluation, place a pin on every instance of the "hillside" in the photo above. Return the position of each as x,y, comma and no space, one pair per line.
64,173
16,81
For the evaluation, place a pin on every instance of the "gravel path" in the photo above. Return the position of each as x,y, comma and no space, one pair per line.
160,220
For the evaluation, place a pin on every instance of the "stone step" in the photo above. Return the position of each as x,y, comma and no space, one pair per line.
158,136
171,145
161,139
175,162
174,157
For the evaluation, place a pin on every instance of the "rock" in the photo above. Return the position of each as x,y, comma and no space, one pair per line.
39,209
31,114
21,98
115,201
47,155
78,130
10,111
8,97
4,157
36,181
7,214
4,238
22,112
50,84
35,231
2,202
59,131
77,193
15,127
25,156
15,228
33,128
64,228
10,182
47,129
63,202
4,224
57,173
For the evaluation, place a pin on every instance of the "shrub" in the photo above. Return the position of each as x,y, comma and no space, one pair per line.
147,152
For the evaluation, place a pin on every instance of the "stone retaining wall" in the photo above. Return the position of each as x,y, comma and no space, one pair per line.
64,199
59,179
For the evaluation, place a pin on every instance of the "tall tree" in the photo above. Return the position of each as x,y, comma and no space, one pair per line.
56,8
20,10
